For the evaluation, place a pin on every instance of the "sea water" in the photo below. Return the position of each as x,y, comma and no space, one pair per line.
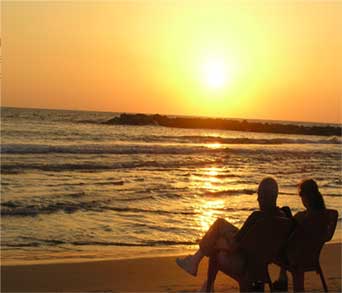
75,188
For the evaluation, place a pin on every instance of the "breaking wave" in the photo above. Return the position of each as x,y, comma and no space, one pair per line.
146,148
244,140
22,209
36,242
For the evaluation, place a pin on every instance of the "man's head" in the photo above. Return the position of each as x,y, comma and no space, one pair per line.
267,193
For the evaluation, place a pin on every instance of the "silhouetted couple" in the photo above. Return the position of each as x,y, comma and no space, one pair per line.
222,239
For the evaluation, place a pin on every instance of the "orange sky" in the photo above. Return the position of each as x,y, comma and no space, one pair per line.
281,60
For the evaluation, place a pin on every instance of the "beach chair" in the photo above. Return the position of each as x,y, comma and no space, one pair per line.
305,244
258,247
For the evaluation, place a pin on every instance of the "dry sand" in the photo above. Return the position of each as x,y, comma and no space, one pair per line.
144,274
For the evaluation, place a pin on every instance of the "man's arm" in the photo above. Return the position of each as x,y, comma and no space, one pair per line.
300,217
251,220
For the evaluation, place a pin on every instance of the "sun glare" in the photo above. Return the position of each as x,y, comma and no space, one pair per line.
216,73
216,145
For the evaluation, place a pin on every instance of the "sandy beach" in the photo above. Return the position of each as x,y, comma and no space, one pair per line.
142,274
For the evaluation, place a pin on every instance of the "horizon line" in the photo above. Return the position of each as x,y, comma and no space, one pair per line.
179,115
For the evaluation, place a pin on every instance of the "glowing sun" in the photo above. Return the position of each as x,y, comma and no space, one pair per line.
215,73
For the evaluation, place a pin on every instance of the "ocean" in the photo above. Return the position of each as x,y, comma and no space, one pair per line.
73,188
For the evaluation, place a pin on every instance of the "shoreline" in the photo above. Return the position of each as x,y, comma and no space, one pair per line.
142,274
86,259
123,254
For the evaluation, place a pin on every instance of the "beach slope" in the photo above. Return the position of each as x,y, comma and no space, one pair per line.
144,274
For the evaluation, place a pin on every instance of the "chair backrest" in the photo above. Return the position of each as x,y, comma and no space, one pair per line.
262,243
306,241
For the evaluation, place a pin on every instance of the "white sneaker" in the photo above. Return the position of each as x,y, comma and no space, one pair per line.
187,265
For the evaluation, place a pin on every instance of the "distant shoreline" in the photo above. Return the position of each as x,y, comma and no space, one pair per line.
223,124
291,122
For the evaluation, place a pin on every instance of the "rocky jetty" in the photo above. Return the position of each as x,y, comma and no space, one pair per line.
134,119
224,124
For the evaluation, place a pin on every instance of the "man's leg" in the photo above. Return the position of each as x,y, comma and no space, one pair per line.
221,260
219,229
233,264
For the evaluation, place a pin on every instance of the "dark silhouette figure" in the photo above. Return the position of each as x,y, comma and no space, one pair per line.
224,243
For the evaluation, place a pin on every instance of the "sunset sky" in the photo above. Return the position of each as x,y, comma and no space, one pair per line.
278,60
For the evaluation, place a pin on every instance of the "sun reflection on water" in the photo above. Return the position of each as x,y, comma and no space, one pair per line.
213,171
208,209
215,145
206,179
208,213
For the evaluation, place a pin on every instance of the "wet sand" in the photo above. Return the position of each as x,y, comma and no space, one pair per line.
142,274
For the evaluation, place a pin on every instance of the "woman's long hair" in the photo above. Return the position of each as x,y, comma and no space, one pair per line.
309,189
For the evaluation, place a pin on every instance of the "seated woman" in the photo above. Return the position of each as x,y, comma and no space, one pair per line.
313,201
223,236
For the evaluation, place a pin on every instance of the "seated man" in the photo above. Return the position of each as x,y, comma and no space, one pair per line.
224,236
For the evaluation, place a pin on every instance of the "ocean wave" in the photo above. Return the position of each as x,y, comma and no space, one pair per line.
102,149
245,140
77,202
36,242
139,210
98,149
161,148
204,175
135,198
104,165
229,192
12,208
22,209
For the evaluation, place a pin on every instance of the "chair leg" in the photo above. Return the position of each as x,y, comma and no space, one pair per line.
212,272
258,287
245,286
298,281
320,272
